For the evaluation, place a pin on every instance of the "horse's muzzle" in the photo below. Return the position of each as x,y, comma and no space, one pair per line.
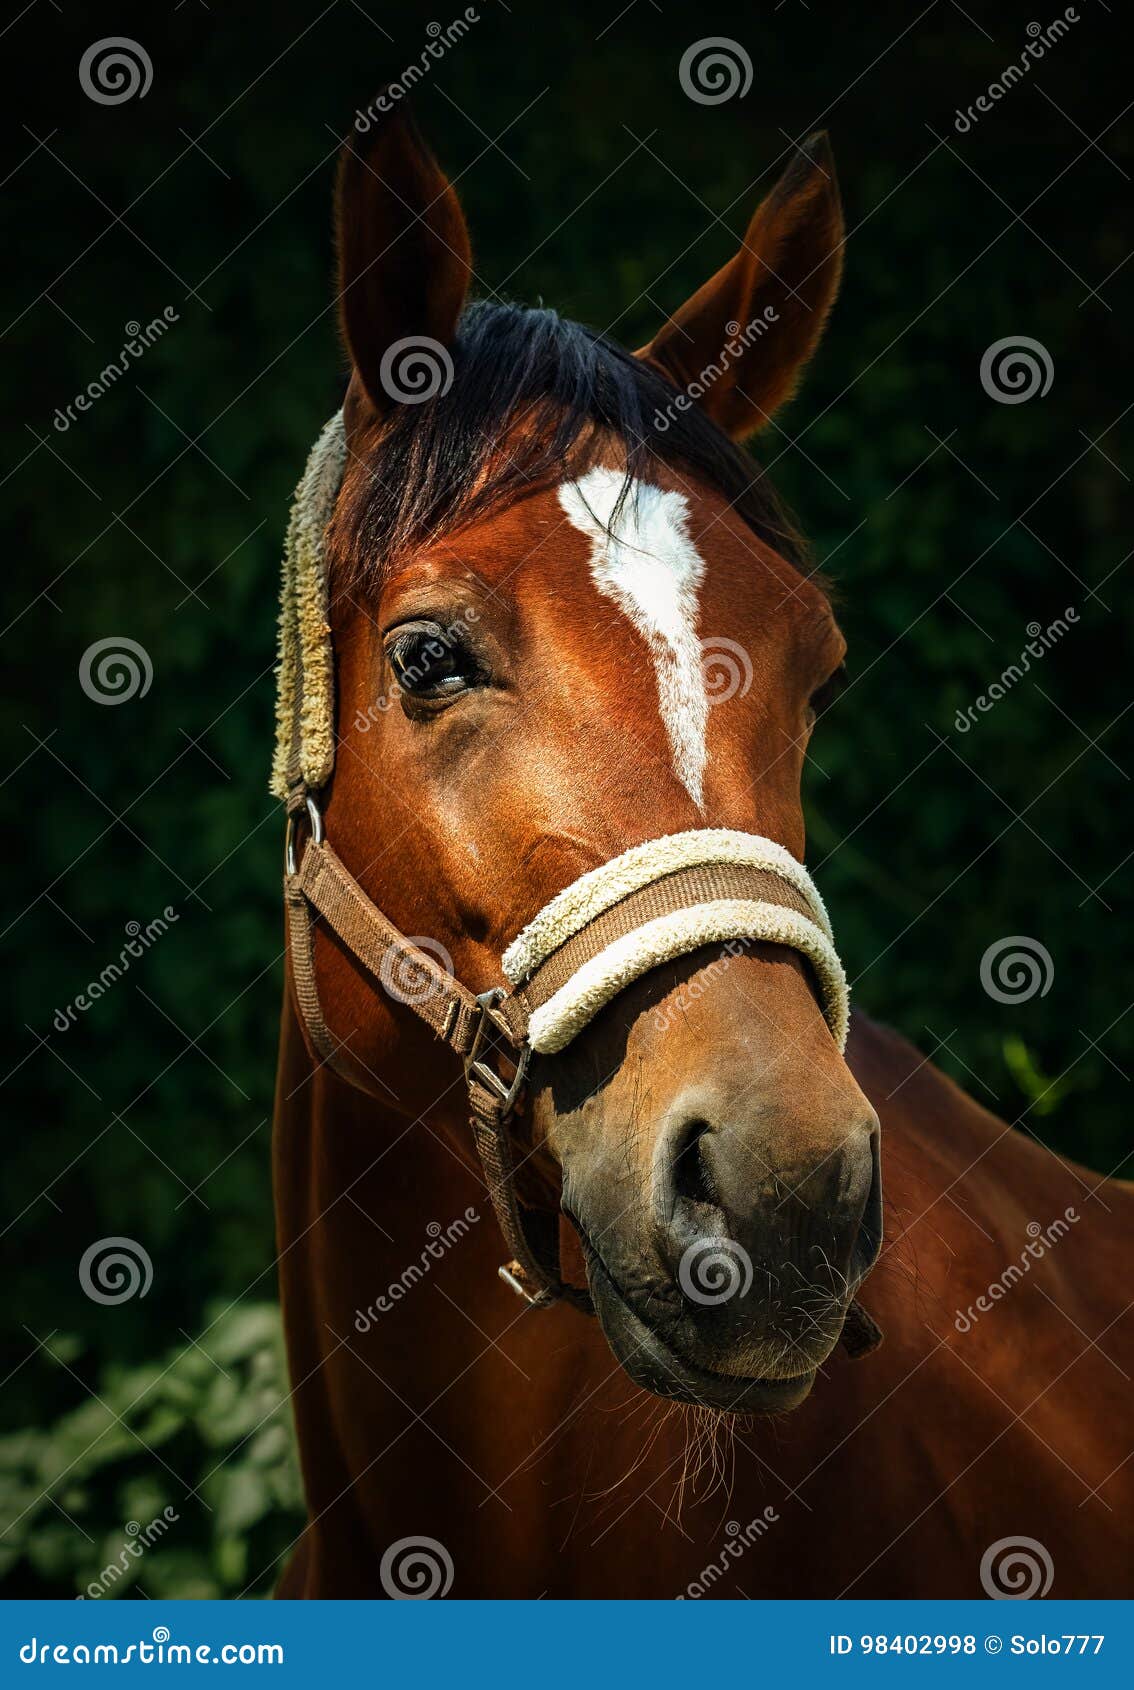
741,1291
655,1365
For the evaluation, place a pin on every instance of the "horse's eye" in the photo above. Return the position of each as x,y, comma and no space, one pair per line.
824,696
429,663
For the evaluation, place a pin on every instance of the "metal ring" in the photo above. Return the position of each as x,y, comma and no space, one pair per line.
315,818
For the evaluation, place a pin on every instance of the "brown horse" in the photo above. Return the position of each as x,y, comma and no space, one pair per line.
538,552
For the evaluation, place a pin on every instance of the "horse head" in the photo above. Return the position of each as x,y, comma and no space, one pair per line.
570,618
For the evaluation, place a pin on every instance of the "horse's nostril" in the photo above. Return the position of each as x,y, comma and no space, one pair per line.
692,1178
868,1244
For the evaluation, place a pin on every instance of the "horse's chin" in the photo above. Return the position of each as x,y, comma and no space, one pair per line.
654,1365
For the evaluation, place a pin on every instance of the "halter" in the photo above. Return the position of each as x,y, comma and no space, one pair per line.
652,903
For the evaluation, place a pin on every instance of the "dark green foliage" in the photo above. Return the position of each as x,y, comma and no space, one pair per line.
177,1479
158,515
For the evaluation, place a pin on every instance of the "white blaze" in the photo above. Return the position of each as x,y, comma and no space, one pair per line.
647,563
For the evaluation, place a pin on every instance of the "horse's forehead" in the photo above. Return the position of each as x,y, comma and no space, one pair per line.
677,565
544,545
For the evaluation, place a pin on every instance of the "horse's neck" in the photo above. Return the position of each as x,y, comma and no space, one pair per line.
428,1400
358,1189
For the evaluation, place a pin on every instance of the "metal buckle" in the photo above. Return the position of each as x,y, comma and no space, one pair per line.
511,1273
315,817
477,1069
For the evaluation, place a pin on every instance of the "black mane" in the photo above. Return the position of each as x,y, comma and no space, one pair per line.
534,398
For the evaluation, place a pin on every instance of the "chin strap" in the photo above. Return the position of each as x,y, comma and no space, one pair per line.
652,903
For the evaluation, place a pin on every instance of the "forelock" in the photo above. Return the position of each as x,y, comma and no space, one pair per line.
534,400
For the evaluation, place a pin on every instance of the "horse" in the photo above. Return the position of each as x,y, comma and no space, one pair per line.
533,546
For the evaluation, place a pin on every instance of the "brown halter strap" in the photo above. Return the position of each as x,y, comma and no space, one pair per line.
479,1028
319,884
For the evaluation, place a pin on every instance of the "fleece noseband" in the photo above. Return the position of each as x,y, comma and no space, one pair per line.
655,902
658,901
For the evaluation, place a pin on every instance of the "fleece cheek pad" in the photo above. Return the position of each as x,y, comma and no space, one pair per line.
305,677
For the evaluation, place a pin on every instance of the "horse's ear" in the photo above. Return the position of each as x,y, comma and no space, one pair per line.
785,277
404,261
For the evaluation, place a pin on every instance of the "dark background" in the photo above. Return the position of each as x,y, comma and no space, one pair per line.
948,522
